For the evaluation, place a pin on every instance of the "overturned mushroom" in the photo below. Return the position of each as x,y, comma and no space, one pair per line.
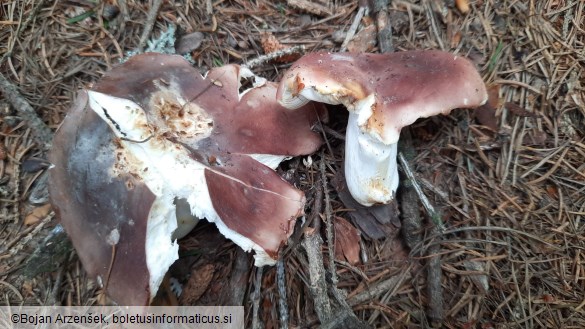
153,143
383,93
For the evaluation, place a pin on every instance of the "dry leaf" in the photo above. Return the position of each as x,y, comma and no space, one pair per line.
364,40
310,7
189,42
552,191
347,241
37,214
197,284
462,5
486,114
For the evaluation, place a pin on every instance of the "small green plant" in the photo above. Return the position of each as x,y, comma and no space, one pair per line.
217,62
496,56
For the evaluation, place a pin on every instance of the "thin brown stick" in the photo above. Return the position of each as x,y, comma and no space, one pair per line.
328,223
318,286
40,131
256,322
110,267
150,19
353,28
274,55
383,26
391,285
281,283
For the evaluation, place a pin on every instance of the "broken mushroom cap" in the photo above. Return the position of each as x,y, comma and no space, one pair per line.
153,143
383,93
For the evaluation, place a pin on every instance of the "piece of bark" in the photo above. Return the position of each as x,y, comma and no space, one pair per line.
40,131
197,284
282,304
435,311
411,219
256,320
384,26
412,229
310,7
150,19
318,286
238,280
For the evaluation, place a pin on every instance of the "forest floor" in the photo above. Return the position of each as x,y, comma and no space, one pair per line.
507,180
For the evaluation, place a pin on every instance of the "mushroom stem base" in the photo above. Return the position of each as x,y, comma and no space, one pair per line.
370,166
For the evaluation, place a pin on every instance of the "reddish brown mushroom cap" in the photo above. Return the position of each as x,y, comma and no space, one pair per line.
405,86
81,190
383,93
153,131
252,125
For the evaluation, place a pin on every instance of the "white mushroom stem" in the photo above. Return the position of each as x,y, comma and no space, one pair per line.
370,165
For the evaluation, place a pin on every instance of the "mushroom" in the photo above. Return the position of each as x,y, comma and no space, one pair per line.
153,143
383,93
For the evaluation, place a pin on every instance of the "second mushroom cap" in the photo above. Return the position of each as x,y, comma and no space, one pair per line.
383,93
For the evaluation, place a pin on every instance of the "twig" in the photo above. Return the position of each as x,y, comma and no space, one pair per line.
54,298
383,25
426,184
208,8
318,286
345,318
326,130
353,28
328,224
411,219
238,279
150,19
412,225
433,21
390,285
310,7
435,311
125,16
436,218
272,56
282,304
41,132
21,243
256,324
